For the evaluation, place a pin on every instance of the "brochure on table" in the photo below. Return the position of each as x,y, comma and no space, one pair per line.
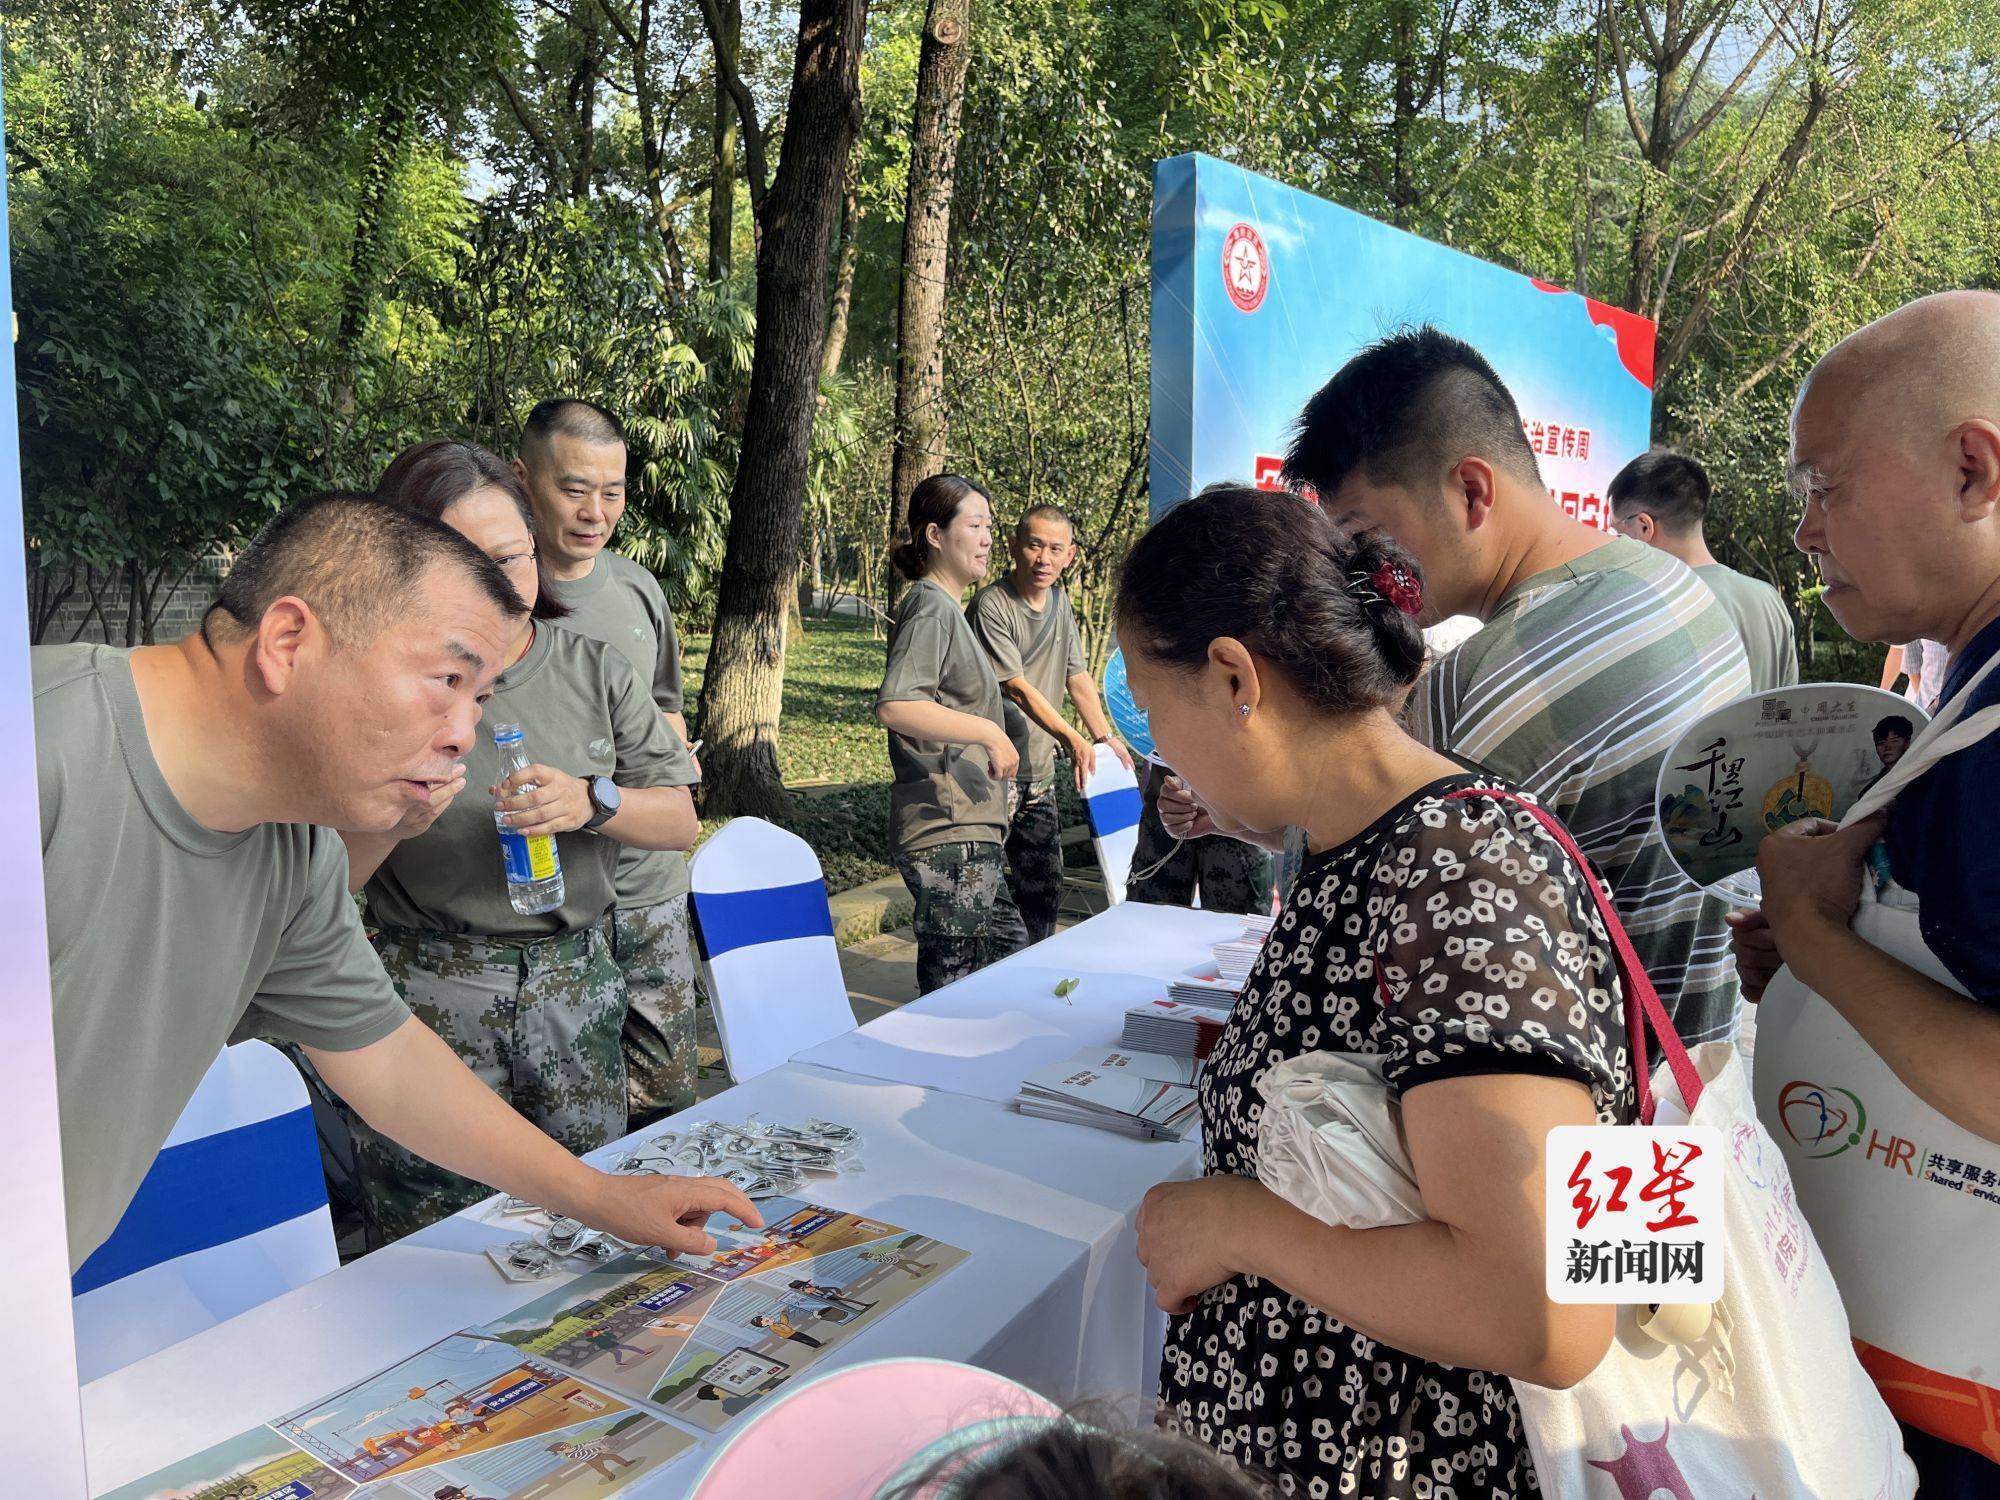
565,1397
1766,761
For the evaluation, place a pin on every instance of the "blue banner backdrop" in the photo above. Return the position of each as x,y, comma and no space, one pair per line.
1260,292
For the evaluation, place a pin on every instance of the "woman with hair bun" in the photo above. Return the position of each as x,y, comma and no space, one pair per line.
949,745
1436,924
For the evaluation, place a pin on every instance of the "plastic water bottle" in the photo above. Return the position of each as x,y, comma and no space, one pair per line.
534,869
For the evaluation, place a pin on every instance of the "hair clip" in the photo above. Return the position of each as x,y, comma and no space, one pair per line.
1395,584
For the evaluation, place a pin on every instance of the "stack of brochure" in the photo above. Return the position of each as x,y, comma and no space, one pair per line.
1144,1094
1235,958
1206,988
1217,987
1172,1027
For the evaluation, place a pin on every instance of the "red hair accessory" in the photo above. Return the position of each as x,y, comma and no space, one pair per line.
1399,586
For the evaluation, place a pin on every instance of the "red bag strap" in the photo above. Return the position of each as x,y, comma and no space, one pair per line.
1643,1006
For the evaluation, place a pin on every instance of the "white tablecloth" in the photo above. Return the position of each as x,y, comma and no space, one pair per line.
1053,1295
984,1034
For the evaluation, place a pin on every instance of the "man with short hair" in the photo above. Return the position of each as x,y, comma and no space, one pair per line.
1661,498
1896,459
573,461
188,793
1596,653
1025,622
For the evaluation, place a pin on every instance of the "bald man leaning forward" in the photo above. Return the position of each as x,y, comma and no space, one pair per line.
1896,459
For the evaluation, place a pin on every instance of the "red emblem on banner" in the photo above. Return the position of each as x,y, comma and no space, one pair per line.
1246,268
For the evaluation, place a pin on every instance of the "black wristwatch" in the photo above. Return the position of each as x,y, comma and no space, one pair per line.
604,800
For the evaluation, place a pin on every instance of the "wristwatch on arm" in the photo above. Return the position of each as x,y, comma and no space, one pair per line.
604,800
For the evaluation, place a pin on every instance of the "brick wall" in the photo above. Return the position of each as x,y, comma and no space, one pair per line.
75,620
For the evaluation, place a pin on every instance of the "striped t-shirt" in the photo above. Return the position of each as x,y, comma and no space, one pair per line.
1583,679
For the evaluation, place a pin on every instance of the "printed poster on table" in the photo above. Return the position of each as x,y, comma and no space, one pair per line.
467,1419
548,1403
1763,762
471,1411
706,1338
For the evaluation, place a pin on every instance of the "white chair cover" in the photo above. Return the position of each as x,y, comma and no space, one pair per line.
1111,803
232,1212
765,935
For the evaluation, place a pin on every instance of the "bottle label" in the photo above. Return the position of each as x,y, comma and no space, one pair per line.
528,859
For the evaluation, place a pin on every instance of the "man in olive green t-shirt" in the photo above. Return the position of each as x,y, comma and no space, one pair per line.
573,462
1661,498
1029,631
187,792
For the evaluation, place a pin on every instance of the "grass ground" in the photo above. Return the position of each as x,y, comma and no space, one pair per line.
828,738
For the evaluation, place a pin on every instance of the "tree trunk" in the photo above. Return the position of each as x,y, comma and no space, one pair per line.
135,610
743,689
722,157
589,24
1403,120
920,413
46,598
843,279
1642,280
358,295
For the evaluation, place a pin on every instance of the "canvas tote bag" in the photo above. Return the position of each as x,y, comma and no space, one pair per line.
1760,1394
1905,1204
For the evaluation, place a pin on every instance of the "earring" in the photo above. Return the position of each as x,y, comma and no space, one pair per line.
1243,709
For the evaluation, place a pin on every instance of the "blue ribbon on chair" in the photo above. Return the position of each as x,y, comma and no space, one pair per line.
213,1191
1113,811
727,920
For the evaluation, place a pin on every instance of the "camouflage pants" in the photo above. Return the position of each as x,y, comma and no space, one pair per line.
965,917
651,947
537,1022
1034,859
1231,875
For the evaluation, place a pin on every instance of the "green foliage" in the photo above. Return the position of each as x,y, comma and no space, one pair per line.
231,294
557,298
258,249
149,438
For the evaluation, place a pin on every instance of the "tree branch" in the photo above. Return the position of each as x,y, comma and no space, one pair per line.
755,171
1623,67
532,128
1723,99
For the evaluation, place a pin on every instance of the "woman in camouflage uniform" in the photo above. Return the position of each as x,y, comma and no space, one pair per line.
948,741
534,1004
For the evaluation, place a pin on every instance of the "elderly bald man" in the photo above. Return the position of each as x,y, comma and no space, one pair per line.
1896,458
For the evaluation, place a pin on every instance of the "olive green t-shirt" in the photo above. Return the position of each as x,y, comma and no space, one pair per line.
1762,620
621,604
164,934
1041,645
581,710
943,793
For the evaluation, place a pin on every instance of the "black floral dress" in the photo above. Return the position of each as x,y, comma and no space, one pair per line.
1451,937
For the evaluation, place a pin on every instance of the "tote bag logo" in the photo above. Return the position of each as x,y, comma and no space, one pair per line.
1822,1120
